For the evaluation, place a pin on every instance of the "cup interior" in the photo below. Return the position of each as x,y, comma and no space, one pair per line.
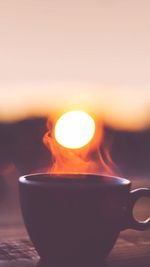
74,178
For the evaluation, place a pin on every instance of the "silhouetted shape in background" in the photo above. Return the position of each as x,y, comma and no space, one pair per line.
21,144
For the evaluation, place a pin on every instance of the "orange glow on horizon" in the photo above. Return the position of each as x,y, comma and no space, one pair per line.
118,108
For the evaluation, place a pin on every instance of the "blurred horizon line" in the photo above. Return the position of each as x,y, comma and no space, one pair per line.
119,107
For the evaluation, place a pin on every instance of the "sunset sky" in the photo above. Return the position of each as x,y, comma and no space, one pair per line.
79,54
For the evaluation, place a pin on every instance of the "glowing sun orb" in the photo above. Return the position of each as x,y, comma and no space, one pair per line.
74,129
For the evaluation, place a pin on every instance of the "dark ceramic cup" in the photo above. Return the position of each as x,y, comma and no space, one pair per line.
75,219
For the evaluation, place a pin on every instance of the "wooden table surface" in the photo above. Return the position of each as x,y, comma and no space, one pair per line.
132,248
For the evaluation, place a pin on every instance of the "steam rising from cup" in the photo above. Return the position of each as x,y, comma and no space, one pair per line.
75,141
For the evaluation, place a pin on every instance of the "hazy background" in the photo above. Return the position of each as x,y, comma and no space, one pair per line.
76,54
63,55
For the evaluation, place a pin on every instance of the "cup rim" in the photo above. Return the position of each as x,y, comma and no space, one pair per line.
73,179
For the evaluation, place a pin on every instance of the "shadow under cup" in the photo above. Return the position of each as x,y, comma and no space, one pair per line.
75,219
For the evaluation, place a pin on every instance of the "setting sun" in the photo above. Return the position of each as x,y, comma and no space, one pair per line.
74,129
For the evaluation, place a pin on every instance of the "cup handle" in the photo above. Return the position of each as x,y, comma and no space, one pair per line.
131,222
